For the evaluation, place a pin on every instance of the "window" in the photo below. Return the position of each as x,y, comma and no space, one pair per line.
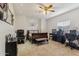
63,23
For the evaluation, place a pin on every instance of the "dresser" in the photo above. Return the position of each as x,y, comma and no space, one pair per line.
11,48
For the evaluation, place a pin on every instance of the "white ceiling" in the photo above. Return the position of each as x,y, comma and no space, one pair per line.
32,10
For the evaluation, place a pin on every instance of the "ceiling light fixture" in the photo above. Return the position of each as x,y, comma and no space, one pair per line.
46,8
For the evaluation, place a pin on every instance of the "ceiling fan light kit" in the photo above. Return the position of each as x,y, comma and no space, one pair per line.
47,8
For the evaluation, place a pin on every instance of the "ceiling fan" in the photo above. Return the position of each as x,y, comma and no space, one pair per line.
47,8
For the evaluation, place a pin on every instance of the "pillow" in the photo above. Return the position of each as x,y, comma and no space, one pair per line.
40,39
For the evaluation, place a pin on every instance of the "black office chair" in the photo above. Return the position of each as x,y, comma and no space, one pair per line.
20,36
72,37
60,36
54,34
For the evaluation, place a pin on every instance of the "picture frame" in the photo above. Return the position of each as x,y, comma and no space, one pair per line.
10,18
6,16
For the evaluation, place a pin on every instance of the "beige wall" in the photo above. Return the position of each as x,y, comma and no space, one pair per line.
25,23
4,30
73,16
43,25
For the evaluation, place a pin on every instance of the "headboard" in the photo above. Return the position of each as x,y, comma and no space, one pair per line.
39,35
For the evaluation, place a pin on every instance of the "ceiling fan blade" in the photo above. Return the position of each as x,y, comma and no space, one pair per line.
51,10
42,5
50,6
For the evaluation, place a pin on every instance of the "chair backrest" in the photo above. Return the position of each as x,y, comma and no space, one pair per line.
70,37
67,35
73,32
20,32
60,32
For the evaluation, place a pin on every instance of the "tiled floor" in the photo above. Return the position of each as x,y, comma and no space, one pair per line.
51,49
